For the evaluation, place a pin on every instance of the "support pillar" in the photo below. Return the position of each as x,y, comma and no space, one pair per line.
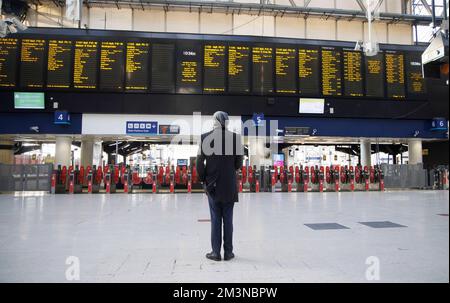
366,153
87,152
7,152
415,152
63,152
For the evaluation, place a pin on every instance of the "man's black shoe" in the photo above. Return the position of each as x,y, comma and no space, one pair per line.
213,256
228,257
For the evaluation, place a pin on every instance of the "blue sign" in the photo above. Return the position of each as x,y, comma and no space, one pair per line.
258,119
62,117
439,124
142,127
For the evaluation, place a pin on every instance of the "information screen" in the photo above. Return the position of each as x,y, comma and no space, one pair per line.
112,65
189,67
238,69
286,70
374,75
395,74
8,62
214,68
32,56
415,83
262,58
85,65
137,64
309,71
331,72
353,74
163,68
59,64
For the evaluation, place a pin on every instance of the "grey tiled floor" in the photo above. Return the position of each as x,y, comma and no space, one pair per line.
158,238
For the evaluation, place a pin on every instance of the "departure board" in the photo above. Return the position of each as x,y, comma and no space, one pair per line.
238,69
32,56
136,66
59,64
353,73
8,62
112,65
309,71
85,65
395,74
286,70
214,62
189,67
163,68
262,59
331,72
415,83
374,75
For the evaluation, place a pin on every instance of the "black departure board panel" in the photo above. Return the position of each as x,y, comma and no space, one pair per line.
189,67
8,62
309,71
262,59
85,65
238,69
415,83
112,65
331,71
59,64
286,70
353,73
32,57
136,66
163,68
395,74
374,75
214,62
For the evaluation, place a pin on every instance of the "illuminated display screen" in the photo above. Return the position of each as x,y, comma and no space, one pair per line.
262,59
374,75
395,74
415,83
286,70
8,62
32,56
59,64
353,74
331,72
85,65
163,75
238,69
136,66
112,65
189,61
214,68
309,71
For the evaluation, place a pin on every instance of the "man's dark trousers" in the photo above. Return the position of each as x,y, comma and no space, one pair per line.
221,212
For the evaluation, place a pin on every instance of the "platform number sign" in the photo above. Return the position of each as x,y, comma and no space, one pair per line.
258,119
142,127
62,117
439,124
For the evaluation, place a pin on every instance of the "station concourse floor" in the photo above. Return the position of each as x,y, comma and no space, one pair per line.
164,237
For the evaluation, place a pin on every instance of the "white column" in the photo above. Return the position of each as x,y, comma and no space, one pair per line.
6,152
415,152
87,152
63,151
366,154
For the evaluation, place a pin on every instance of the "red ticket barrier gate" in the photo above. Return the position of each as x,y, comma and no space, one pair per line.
321,178
305,179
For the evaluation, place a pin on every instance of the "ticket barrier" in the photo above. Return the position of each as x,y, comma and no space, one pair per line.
110,179
287,178
94,179
126,179
317,178
332,176
59,180
75,186
362,178
376,178
440,178
347,178
303,179
254,179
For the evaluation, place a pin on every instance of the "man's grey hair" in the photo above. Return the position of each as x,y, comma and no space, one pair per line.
220,119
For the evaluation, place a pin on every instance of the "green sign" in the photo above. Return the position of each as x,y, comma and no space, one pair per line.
29,100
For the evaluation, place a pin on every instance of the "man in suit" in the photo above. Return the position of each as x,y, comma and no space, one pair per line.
219,157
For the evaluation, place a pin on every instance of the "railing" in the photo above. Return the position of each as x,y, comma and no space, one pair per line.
16,177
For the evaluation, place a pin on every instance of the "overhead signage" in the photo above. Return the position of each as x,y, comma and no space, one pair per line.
142,127
62,117
169,129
